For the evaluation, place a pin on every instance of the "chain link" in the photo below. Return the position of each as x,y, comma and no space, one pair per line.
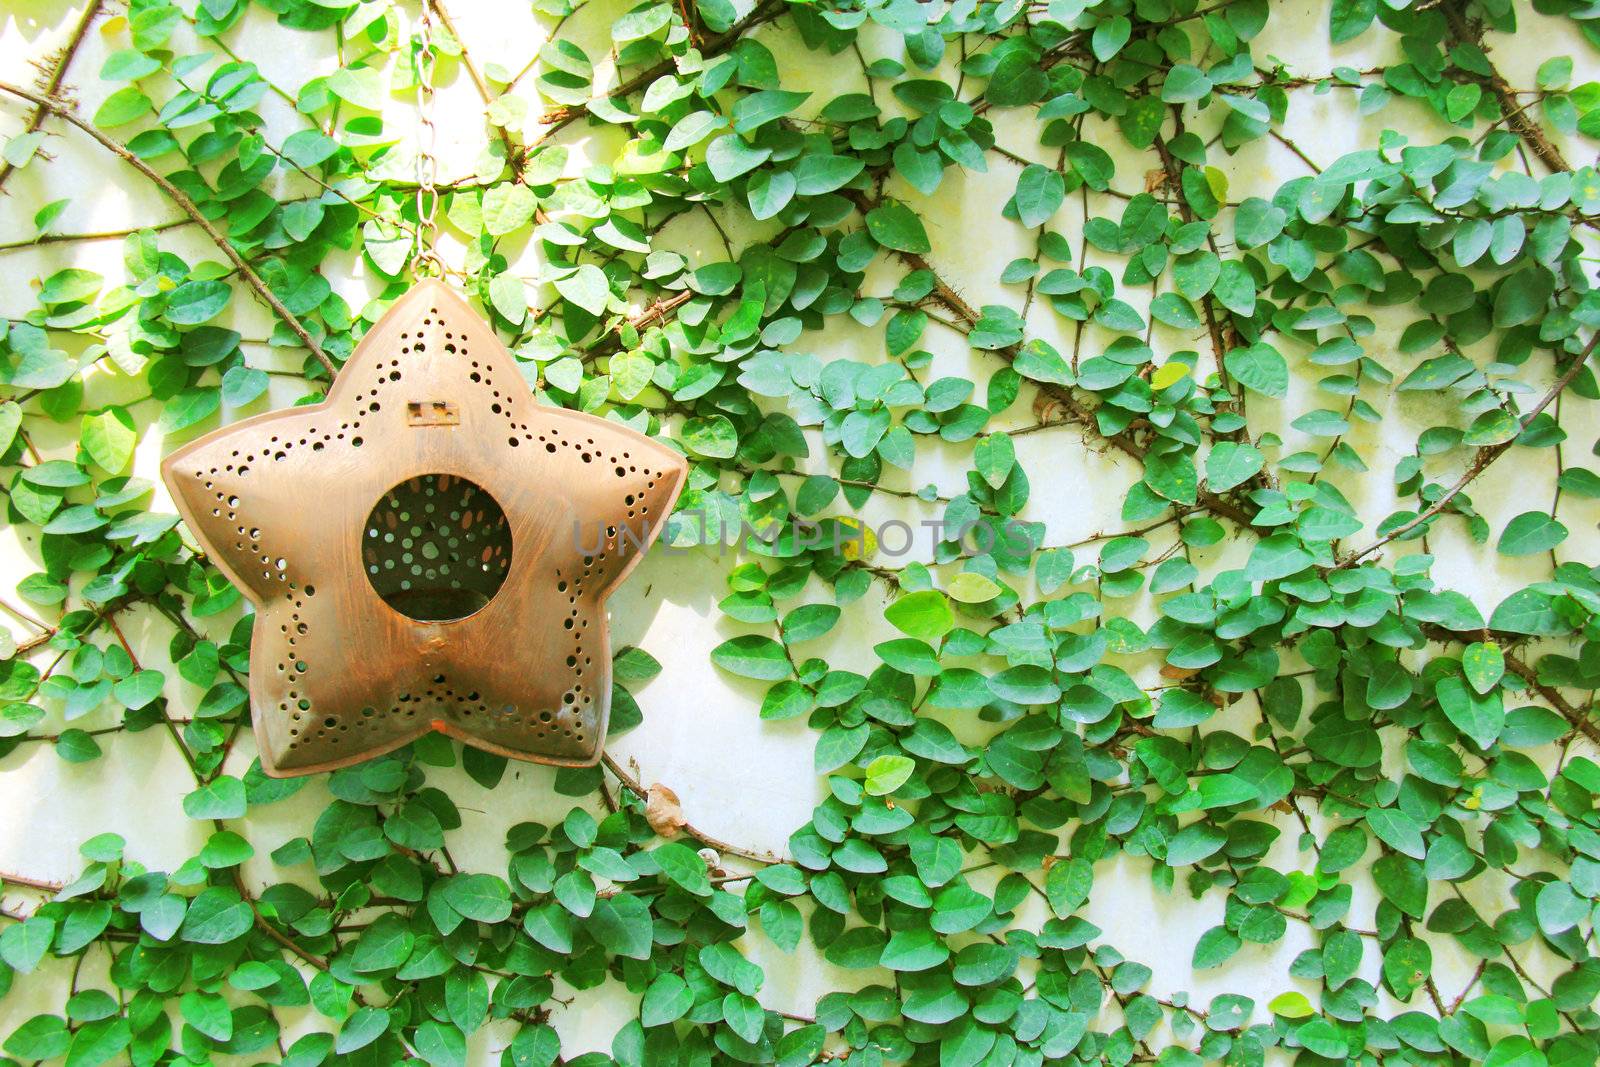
427,260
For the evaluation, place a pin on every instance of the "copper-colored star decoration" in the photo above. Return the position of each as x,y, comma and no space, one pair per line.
427,549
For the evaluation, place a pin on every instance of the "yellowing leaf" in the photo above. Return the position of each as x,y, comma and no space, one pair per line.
1168,374
971,588
856,539
1291,1005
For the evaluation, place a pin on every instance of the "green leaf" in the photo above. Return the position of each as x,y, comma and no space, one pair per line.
693,128
1484,665
365,87
361,1029
1067,885
622,925
1480,717
666,1000
1172,475
43,1037
925,615
1193,843
1230,463
1530,533
481,897
71,286
1235,289
769,192
888,773
98,1042
1397,830
509,297
1291,1005
195,302
10,423
109,438
307,148
1558,908
1214,947
817,173
23,944
838,746
730,156
1348,19
713,436
508,207
1515,1050
1040,193
1109,36
221,798
241,385
587,288
1259,368
759,108
684,866
122,107
1522,296
1184,84
1257,222
809,622
752,656
994,457
969,587
895,226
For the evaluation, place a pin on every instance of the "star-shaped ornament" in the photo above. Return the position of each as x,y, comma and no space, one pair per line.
427,549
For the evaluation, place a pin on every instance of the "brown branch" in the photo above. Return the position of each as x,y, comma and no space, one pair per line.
1291,146
1486,455
102,235
1075,409
477,78
1574,715
273,932
765,11
1173,172
1514,113
34,642
31,883
190,208
657,313
58,74
638,789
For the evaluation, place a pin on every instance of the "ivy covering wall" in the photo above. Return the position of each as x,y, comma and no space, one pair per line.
1261,685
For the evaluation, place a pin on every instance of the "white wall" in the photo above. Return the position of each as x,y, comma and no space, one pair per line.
739,778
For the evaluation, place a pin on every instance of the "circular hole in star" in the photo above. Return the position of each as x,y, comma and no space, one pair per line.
460,547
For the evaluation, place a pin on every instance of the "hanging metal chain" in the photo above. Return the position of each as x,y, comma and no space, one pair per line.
427,260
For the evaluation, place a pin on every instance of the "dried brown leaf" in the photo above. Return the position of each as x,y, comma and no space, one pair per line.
663,812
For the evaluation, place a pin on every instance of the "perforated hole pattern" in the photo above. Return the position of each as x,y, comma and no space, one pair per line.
437,547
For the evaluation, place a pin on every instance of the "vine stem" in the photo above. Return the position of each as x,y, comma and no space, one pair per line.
1568,710
1515,114
58,74
26,882
273,932
765,11
190,208
633,785
477,80
1485,456
1077,413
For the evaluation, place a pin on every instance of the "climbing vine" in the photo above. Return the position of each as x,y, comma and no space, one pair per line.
1263,687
